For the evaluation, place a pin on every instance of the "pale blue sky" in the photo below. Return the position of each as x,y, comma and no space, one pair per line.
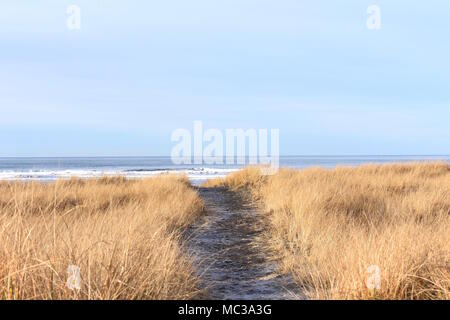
137,70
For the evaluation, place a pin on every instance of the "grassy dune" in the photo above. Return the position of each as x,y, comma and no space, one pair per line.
123,235
330,226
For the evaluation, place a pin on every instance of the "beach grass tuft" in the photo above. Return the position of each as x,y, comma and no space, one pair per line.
367,232
123,236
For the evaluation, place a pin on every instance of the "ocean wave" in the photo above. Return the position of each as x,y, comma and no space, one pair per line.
51,175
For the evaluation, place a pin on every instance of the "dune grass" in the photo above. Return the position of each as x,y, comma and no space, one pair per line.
332,226
123,235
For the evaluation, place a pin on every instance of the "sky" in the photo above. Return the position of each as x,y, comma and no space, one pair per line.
136,71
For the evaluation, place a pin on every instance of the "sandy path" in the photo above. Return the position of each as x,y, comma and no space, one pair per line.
229,251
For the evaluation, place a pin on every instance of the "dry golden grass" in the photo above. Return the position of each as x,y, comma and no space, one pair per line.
123,235
331,225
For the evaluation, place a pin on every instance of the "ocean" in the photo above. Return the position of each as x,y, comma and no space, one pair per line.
50,169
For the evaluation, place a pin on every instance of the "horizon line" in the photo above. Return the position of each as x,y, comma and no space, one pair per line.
290,155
